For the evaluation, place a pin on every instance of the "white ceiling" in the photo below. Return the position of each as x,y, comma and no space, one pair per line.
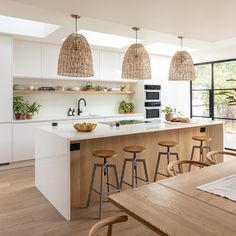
205,24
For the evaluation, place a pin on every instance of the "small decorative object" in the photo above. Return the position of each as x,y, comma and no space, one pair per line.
31,109
136,63
18,87
59,88
180,119
31,87
169,113
181,67
85,127
73,89
89,86
123,88
126,107
75,59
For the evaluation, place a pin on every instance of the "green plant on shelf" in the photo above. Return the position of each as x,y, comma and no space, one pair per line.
126,107
33,107
18,104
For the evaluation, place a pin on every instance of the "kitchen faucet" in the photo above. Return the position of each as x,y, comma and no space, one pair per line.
79,110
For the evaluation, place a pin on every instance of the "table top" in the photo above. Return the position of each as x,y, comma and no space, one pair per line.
178,209
204,176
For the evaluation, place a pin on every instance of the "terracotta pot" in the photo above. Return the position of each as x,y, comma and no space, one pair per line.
169,116
29,116
23,117
17,116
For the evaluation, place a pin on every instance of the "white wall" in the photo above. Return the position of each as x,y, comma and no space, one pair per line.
107,66
174,93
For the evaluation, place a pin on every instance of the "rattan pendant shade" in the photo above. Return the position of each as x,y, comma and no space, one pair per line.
181,67
75,58
136,63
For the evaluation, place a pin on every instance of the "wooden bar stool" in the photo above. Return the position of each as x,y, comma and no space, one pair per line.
134,150
104,173
168,145
200,139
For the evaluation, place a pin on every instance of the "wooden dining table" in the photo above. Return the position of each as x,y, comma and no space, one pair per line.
175,206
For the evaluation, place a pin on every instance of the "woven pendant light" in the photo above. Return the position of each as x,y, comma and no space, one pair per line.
181,67
136,63
75,58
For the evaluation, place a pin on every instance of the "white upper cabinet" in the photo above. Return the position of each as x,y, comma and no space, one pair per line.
110,65
27,58
50,54
5,79
96,63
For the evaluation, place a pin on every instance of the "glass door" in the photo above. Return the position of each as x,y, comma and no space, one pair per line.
202,92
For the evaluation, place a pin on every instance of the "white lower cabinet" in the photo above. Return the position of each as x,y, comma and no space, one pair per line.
5,143
23,139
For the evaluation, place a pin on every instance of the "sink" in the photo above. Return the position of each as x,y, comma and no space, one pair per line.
86,116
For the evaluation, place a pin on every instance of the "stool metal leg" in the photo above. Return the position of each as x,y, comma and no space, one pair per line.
91,186
145,170
133,174
191,157
157,166
123,173
108,182
101,191
117,178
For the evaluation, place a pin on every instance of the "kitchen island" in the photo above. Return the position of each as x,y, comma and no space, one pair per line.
64,161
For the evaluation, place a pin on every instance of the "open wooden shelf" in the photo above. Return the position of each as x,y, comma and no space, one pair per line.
70,92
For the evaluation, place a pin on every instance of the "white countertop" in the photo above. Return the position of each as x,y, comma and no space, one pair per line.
102,130
82,117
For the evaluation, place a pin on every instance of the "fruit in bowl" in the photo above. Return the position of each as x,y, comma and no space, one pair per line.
85,126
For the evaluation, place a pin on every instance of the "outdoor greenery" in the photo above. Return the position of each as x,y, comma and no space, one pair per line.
224,91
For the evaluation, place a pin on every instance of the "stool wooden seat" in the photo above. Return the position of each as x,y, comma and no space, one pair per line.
104,153
167,143
134,149
201,138
201,148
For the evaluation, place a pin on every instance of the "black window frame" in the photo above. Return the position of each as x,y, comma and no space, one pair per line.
211,95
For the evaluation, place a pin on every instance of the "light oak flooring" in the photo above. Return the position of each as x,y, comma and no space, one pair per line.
25,212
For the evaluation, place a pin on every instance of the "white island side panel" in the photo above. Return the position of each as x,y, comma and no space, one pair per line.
52,170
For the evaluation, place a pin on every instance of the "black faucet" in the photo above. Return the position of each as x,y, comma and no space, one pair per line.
79,110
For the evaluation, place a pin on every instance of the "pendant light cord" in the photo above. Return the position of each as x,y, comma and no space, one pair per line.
136,40
181,47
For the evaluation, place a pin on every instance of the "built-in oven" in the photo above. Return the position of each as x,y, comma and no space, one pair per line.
152,103
153,109
152,92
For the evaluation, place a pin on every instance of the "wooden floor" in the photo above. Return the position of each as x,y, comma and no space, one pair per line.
25,212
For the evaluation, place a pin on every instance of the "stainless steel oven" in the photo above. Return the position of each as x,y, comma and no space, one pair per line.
152,103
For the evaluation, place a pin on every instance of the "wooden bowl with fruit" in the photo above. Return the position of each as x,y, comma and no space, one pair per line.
85,127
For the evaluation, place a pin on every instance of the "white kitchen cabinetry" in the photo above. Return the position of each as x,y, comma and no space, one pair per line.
5,79
110,65
50,54
27,58
23,139
5,143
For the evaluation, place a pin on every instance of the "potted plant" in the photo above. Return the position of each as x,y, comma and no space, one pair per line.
32,109
18,106
126,107
169,112
23,111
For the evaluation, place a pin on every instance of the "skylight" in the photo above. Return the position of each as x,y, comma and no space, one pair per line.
166,49
18,26
107,40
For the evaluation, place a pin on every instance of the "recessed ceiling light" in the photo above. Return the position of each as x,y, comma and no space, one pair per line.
166,49
18,26
107,40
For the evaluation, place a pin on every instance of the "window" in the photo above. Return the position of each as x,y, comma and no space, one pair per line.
213,95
